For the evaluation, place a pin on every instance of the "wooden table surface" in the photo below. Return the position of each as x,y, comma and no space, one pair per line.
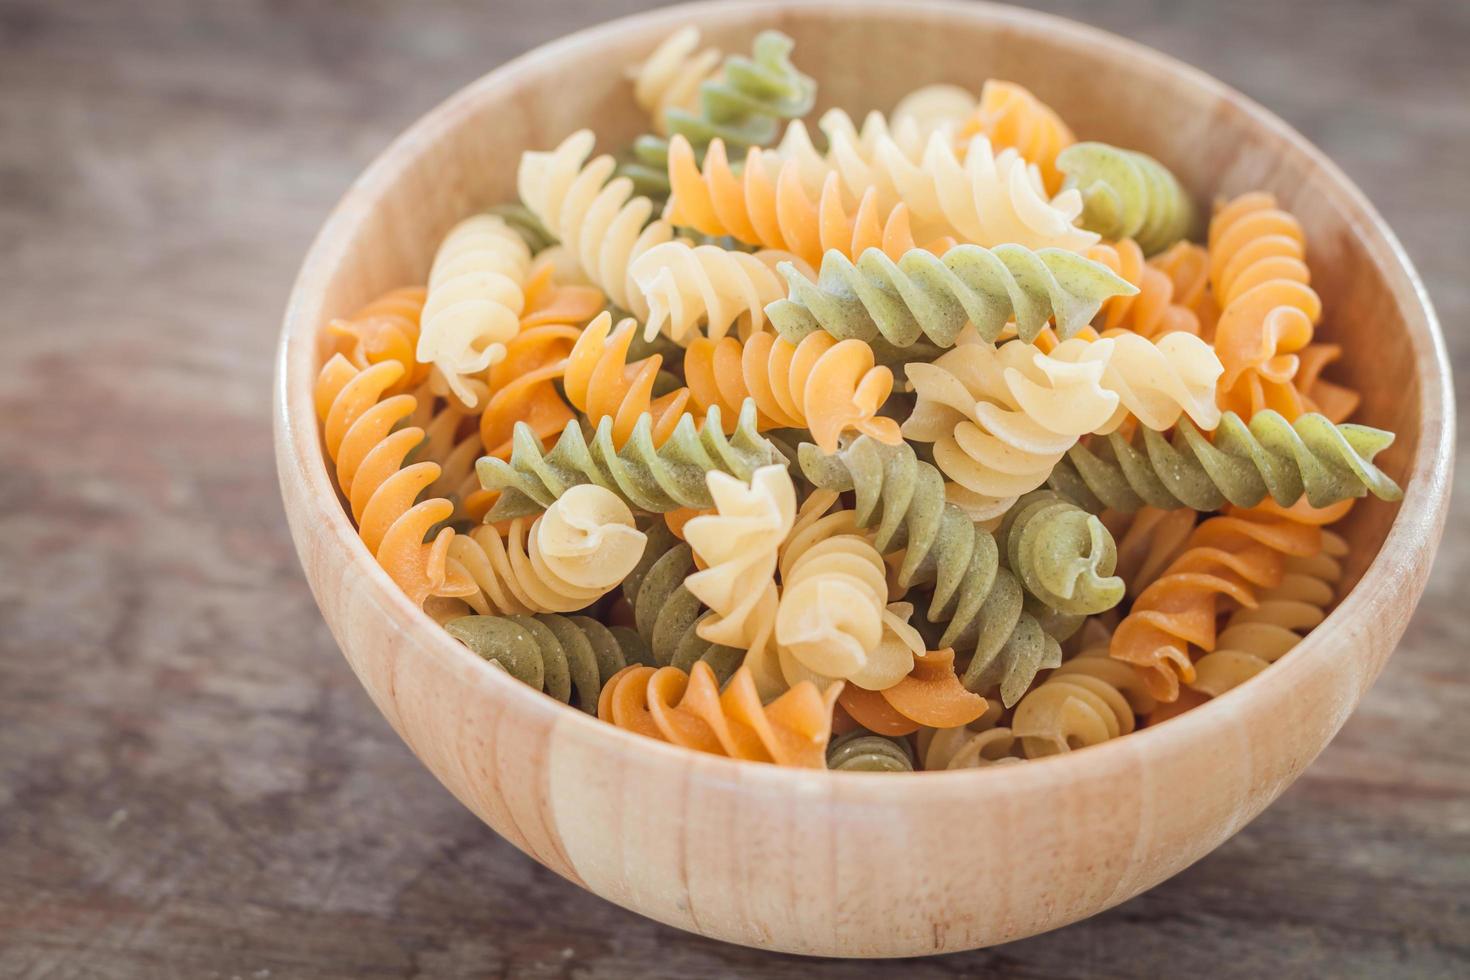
192,783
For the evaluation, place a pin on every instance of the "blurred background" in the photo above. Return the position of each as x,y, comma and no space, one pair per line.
192,783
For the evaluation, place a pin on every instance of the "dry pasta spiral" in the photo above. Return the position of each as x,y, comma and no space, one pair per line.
556,654
971,193
595,215
1013,118
1043,525
901,499
1000,418
821,384
769,205
1255,638
361,435
741,106
603,385
1268,308
737,549
522,386
666,614
580,549
671,76
931,695
1242,465
1232,556
862,751
1126,194
690,710
651,478
1087,700
475,298
685,287
907,310
833,620
386,329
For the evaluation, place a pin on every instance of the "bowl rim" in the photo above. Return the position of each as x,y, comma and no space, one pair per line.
1416,525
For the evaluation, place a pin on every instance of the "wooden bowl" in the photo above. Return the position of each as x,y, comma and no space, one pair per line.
851,864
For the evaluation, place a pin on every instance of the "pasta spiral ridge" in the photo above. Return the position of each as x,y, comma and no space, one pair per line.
1155,381
1151,312
742,107
1085,701
451,442
580,549
561,655
981,743
895,306
1243,465
386,329
596,216
833,621
1126,194
685,287
1232,556
1268,309
931,695
601,383
768,205
522,386
363,437
1253,639
474,302
1013,118
1000,418
651,478
969,192
821,384
737,548
1064,556
670,77
901,499
666,614
690,710
862,751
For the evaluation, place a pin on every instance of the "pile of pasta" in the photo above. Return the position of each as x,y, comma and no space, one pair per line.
929,442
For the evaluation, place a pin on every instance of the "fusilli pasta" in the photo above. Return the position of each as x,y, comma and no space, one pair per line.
595,215
580,549
603,385
1242,466
821,384
1126,194
689,710
560,655
769,205
685,287
474,303
359,435
666,613
902,500
896,306
861,751
737,550
1232,556
741,107
1268,308
931,695
650,478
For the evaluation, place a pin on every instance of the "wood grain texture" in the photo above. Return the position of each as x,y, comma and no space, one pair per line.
191,783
